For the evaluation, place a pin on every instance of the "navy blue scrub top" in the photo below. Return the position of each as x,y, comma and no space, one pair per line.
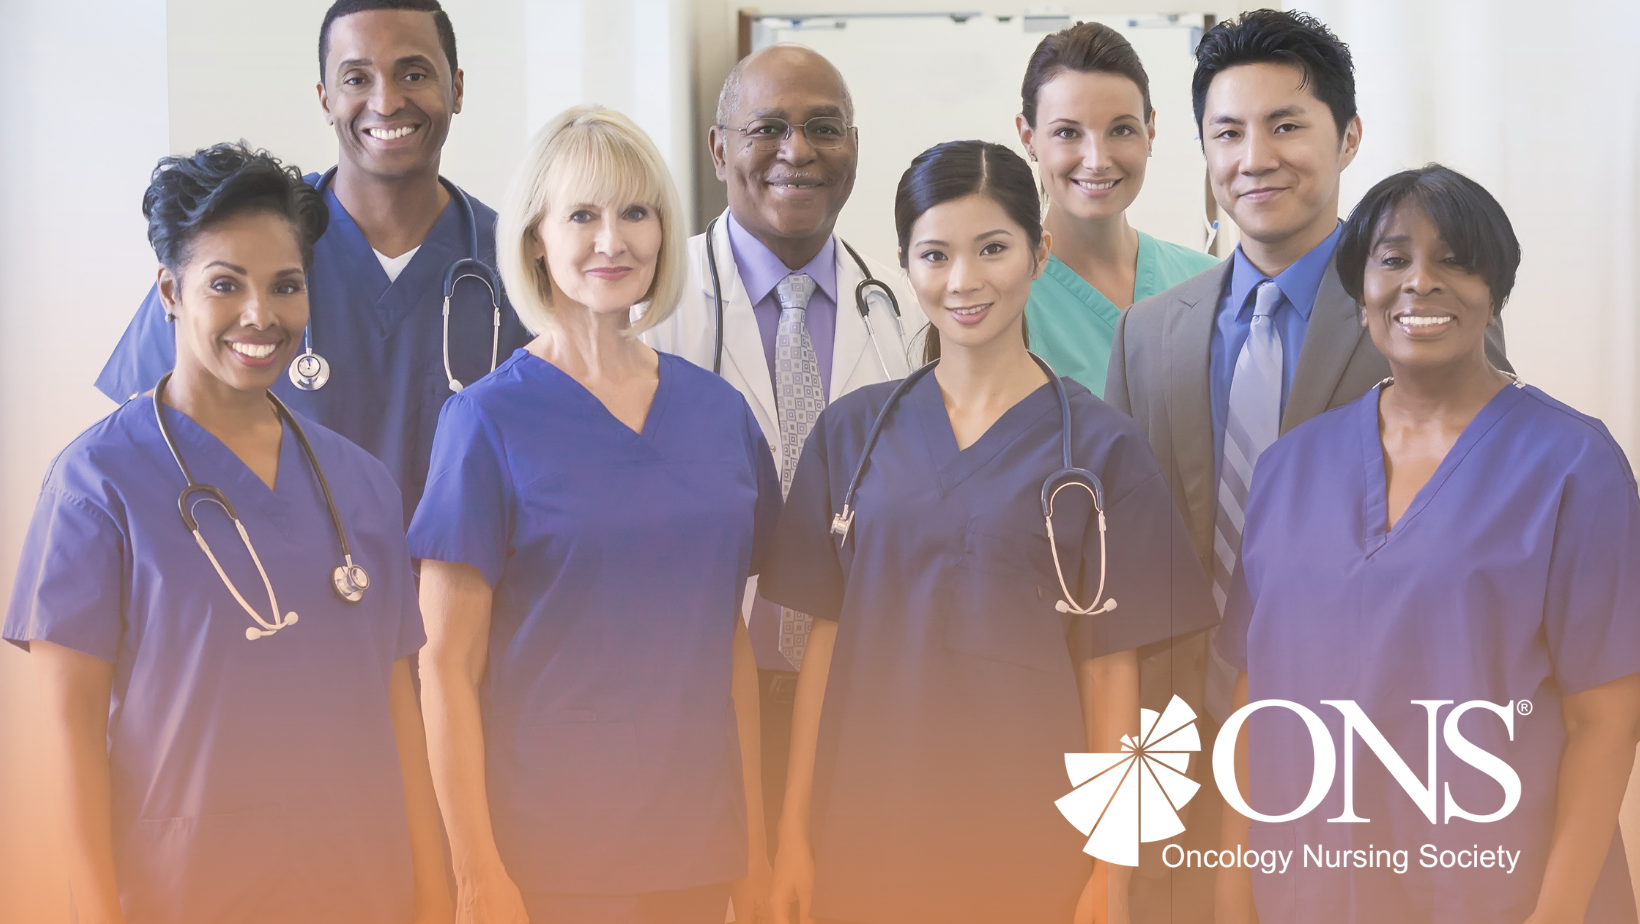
383,340
953,698
251,781
1514,576
618,561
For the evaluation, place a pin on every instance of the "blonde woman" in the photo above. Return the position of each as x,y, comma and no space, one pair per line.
592,513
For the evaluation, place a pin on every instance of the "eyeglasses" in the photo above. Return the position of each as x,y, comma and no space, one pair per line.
820,131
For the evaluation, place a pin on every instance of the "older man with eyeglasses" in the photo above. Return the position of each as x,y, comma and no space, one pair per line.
774,301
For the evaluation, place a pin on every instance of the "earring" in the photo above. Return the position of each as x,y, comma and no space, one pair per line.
170,317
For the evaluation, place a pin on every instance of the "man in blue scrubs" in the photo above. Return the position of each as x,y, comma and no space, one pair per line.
1265,340
389,85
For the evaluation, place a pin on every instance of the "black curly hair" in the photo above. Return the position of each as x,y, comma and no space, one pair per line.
187,194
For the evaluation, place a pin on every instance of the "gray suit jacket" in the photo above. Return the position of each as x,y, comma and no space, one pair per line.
1159,376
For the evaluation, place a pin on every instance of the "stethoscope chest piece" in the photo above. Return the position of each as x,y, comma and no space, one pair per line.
309,371
350,581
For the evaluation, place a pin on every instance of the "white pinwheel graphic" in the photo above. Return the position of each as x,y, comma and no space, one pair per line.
1123,800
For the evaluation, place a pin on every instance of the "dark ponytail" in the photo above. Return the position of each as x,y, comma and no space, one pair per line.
958,169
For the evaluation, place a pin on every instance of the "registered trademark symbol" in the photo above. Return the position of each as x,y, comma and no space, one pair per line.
1524,707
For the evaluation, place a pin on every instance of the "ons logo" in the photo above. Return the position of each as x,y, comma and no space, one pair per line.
1132,798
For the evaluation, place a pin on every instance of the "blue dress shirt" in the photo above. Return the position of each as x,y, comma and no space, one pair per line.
1299,284
760,271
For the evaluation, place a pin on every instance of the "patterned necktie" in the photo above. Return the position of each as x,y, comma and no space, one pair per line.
799,396
1253,423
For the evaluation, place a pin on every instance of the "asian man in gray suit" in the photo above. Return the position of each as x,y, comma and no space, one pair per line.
1217,367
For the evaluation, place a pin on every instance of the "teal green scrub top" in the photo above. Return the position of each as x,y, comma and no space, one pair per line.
1072,325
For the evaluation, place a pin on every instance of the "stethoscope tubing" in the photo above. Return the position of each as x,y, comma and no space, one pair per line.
357,581
862,301
469,267
842,523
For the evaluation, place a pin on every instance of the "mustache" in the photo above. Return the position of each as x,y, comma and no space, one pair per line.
793,176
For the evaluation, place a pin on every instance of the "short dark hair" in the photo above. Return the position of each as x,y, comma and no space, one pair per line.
1087,48
441,21
1279,37
1471,222
956,170
188,194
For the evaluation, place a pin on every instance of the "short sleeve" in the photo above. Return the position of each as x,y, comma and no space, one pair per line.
768,496
145,352
70,580
466,512
1591,612
803,572
1152,574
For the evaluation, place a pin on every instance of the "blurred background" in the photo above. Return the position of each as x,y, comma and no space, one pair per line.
1537,100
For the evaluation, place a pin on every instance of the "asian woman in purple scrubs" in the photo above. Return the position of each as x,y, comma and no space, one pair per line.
593,512
943,687
1455,535
231,738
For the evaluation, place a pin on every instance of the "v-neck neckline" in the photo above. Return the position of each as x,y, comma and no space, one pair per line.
211,461
1375,502
953,466
657,404
1084,291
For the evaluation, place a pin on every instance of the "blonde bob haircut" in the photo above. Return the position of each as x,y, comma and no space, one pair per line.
587,156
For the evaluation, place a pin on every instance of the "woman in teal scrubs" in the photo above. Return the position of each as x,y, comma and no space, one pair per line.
1086,120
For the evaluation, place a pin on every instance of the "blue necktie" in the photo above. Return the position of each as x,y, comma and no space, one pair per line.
1253,423
800,396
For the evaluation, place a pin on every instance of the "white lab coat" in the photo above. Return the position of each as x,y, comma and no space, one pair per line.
691,331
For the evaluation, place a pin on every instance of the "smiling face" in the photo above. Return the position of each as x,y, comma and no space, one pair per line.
793,190
389,91
240,302
972,267
1423,310
1274,155
600,257
1092,141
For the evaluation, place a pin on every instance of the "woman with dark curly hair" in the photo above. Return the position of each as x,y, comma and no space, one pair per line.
1446,573
232,730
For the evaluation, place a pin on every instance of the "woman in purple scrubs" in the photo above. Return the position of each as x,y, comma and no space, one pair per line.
948,675
233,738
1456,535
593,512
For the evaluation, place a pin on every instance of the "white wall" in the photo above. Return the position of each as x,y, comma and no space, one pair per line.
250,70
630,55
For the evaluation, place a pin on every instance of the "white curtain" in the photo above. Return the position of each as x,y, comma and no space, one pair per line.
1539,102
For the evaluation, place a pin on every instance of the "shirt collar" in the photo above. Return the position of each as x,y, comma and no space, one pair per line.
1299,282
760,270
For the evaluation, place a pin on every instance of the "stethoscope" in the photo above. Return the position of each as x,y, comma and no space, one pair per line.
309,371
1067,476
861,302
349,580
